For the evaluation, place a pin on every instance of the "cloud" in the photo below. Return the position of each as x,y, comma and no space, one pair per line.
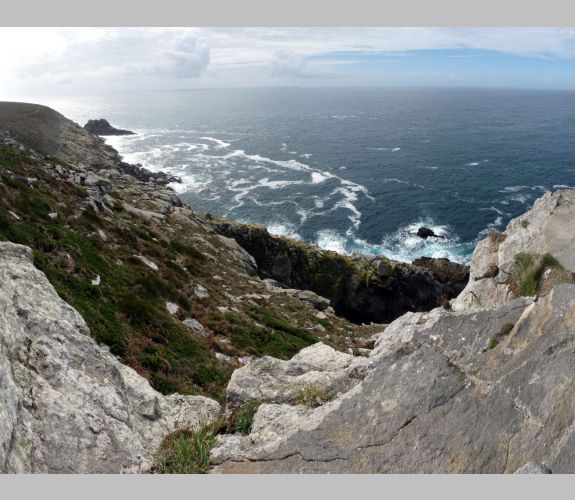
138,58
288,64
190,57
121,53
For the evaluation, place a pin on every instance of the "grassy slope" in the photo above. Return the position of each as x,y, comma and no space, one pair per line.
127,310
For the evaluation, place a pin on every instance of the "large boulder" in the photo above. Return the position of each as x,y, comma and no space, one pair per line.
66,404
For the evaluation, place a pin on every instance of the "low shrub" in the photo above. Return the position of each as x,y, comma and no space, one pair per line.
312,395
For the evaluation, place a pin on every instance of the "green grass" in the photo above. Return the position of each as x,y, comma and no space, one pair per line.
528,270
277,338
506,328
186,452
493,342
126,311
243,419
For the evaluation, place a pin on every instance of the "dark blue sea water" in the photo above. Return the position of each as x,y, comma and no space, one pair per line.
352,169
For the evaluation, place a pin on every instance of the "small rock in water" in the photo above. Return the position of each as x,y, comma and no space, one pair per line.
201,292
425,232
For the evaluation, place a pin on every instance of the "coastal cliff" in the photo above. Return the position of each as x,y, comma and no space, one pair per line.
360,288
484,386
131,323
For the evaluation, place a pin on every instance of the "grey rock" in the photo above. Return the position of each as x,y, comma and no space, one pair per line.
533,468
148,262
201,292
320,303
493,258
66,404
172,308
193,324
245,259
146,214
430,398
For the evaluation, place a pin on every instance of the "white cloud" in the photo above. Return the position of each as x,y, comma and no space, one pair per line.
87,58
288,64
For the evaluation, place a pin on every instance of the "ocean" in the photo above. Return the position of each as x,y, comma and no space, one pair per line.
352,169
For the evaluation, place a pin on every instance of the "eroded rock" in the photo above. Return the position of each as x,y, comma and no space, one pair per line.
66,404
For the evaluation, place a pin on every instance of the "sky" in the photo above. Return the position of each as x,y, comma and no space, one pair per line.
89,61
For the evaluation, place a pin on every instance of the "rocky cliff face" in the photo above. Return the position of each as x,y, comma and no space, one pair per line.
67,404
486,387
360,288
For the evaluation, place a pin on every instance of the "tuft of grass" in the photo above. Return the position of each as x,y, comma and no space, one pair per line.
186,452
493,342
312,395
243,419
506,328
528,270
525,223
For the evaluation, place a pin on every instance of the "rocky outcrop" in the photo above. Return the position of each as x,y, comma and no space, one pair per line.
541,230
103,127
453,276
66,404
486,389
360,288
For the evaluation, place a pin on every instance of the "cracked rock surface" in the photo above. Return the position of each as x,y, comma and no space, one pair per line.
435,395
66,404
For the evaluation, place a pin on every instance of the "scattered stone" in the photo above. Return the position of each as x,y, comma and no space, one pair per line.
222,357
102,235
96,280
318,328
16,217
193,324
148,262
146,214
53,215
172,308
201,292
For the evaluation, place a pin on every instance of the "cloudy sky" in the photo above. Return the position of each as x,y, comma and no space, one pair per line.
83,61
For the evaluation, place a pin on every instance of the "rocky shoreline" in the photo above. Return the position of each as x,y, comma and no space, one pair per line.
141,317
